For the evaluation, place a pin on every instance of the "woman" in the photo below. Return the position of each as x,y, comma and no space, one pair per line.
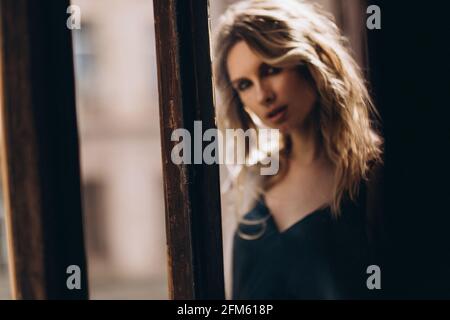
284,65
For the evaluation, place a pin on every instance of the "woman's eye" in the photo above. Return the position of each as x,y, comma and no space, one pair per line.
272,70
242,85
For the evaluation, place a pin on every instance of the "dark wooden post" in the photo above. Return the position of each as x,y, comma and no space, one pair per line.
192,196
39,150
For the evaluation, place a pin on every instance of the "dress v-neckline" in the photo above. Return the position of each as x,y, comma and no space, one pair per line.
296,224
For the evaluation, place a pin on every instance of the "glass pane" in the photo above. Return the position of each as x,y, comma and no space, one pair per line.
117,107
348,18
5,290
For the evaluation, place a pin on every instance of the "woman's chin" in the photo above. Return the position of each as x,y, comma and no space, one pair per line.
284,128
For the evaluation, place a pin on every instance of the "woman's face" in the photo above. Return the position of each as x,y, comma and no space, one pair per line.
281,97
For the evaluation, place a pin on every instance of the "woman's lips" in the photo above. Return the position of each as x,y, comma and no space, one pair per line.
277,115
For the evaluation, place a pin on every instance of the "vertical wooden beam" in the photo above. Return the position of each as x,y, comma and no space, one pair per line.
192,195
39,146
351,18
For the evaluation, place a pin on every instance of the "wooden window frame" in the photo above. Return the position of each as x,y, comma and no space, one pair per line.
192,195
39,150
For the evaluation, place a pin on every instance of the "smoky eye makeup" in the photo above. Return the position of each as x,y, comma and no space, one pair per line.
267,70
242,85
264,70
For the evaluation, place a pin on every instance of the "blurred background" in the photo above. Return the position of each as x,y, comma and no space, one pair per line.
118,117
4,281
118,121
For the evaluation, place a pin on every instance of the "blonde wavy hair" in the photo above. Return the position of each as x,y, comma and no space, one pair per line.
290,33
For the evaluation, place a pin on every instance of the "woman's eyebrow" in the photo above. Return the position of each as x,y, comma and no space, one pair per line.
235,81
262,66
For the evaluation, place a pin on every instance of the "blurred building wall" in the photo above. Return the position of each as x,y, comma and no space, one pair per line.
118,116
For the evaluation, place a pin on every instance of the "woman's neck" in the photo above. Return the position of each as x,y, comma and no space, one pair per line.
306,146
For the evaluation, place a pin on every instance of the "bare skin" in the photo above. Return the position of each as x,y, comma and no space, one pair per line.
303,190
281,98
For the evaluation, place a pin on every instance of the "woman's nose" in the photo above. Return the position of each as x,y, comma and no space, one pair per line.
266,96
